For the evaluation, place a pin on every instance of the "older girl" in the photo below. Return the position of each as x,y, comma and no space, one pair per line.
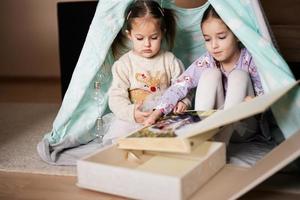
225,76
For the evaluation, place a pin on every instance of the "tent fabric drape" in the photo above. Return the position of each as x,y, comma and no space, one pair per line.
75,120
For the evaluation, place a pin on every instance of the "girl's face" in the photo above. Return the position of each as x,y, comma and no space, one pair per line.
220,41
146,36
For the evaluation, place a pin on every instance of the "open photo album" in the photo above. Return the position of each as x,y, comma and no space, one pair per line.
172,125
165,134
182,133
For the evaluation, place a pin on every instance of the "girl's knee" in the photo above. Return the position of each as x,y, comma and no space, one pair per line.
238,75
214,71
239,79
211,74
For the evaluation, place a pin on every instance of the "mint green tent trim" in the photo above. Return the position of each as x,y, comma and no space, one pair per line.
78,111
75,120
273,69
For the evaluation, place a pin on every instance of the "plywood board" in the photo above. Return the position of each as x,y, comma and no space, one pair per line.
232,181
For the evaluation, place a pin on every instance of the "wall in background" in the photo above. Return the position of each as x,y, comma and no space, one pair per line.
29,38
284,18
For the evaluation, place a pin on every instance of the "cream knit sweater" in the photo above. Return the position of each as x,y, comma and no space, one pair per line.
136,78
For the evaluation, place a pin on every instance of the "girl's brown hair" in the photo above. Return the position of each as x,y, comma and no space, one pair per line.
208,13
211,12
141,8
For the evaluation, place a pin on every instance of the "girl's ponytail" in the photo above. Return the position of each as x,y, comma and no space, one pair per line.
169,26
119,45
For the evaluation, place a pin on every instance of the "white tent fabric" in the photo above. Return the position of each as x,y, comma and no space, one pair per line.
75,120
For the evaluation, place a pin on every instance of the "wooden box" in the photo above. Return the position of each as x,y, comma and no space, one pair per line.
150,175
200,174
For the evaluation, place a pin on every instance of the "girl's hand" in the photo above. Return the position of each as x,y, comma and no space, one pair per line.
180,107
155,115
139,115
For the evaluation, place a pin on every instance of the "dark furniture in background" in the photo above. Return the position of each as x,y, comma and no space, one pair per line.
74,19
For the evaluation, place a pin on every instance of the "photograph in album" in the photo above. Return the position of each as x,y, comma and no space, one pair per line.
172,125
165,134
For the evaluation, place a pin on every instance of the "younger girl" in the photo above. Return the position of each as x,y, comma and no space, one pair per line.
140,75
225,76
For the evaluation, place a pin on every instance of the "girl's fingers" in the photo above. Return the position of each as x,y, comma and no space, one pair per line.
138,106
148,122
181,109
175,109
145,114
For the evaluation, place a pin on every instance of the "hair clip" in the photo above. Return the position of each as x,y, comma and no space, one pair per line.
128,15
161,11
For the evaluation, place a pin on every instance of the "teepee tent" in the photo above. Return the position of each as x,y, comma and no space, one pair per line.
75,121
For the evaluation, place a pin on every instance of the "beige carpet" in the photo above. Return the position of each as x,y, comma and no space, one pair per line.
22,126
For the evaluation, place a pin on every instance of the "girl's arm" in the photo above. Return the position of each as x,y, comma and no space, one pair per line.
180,88
118,99
176,70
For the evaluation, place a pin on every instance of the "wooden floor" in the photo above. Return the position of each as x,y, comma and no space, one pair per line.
27,186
